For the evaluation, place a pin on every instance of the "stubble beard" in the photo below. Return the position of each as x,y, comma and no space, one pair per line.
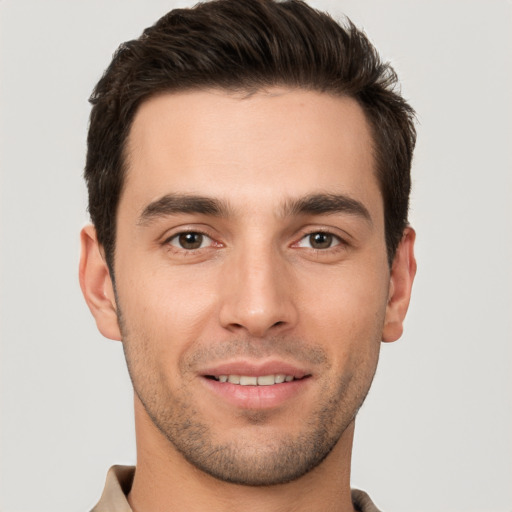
254,460
244,461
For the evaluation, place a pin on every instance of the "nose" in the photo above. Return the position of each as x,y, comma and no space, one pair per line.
257,295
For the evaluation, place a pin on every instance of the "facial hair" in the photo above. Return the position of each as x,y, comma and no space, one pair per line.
250,457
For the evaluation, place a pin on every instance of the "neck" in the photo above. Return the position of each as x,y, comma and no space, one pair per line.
165,482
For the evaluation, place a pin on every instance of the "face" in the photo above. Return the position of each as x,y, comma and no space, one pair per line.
252,284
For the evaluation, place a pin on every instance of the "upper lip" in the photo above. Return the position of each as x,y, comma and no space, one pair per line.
255,369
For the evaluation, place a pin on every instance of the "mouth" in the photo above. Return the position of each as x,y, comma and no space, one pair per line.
252,380
257,385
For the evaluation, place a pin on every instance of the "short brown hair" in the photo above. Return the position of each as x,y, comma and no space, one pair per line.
246,46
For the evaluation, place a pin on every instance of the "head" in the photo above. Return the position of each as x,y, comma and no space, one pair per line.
245,47
248,174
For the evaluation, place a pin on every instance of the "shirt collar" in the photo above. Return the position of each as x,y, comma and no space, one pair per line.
117,486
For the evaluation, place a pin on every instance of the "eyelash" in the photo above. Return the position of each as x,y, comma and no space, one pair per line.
339,243
176,236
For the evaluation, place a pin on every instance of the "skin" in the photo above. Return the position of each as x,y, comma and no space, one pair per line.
261,287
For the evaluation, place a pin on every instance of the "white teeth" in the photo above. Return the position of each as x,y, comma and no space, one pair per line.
248,381
264,380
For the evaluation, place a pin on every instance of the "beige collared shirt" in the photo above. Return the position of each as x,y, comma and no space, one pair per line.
120,478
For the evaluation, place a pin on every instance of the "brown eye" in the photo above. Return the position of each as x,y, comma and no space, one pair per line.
190,241
321,240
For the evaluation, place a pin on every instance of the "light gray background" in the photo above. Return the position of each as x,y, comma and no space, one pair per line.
435,432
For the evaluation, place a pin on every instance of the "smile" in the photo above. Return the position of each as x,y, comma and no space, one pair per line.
246,384
247,380
256,392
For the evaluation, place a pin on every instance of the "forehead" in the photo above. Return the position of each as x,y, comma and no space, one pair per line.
266,146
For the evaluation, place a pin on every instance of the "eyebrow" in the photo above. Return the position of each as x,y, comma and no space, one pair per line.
326,204
172,204
313,204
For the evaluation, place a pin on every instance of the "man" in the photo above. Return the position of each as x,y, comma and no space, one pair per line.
248,171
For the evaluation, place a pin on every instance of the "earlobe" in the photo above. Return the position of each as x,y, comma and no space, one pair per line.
96,285
403,271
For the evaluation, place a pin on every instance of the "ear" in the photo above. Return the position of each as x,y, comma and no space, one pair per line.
96,285
403,271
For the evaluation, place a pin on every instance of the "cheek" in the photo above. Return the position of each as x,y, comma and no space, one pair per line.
168,306
349,313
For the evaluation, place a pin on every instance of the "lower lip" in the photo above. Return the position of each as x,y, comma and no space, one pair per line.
257,397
